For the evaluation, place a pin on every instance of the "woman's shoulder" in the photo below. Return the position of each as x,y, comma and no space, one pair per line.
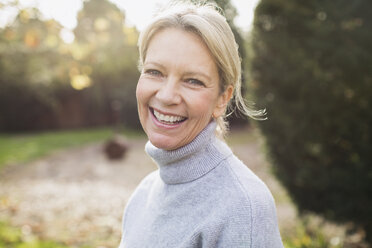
148,180
234,170
240,207
246,180
243,188
141,191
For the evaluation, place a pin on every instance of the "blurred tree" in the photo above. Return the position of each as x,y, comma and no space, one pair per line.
313,72
29,64
109,60
98,21
46,83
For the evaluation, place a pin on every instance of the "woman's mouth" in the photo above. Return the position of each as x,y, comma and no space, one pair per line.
166,118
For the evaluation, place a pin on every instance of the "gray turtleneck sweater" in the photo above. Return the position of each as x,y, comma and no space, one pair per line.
201,196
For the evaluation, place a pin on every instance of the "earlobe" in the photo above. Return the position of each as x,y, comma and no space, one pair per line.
222,102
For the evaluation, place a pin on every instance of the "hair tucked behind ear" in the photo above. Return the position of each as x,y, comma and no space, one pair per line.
207,21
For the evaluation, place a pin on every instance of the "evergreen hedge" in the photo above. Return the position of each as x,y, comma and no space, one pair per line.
312,71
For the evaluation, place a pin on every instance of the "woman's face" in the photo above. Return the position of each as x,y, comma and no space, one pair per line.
178,90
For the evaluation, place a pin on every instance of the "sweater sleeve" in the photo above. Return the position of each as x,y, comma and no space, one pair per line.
245,229
254,221
136,199
252,224
265,231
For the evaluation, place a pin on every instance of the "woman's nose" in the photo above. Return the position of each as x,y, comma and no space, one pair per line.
169,93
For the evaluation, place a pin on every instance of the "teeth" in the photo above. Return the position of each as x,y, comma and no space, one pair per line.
168,118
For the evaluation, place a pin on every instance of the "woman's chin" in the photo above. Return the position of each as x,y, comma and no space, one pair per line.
163,142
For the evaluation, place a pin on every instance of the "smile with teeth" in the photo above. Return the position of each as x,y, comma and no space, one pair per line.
168,119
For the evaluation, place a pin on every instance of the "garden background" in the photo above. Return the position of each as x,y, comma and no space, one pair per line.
309,64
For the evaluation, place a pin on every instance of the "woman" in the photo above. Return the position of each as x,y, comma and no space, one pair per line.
201,195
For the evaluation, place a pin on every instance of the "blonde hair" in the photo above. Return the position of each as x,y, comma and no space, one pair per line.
207,21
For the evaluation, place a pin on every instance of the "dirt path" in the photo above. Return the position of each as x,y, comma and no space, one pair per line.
78,196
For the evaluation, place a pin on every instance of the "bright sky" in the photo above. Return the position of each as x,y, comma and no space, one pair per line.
138,12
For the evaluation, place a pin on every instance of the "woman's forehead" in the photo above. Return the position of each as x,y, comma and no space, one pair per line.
179,47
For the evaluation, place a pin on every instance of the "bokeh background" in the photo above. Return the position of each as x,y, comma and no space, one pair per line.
72,149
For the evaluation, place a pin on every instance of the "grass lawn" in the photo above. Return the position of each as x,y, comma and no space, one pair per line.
20,148
11,237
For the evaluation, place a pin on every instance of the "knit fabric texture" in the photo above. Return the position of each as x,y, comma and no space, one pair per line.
202,195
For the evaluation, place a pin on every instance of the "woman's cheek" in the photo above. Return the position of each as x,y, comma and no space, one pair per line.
141,91
201,103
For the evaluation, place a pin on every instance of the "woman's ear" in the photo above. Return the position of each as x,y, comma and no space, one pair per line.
222,102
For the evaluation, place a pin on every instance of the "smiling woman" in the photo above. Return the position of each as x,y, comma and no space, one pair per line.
201,195
178,90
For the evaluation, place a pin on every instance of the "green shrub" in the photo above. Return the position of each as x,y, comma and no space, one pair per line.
8,235
312,70
307,238
11,237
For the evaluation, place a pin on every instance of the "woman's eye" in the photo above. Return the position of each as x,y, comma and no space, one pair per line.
153,72
195,82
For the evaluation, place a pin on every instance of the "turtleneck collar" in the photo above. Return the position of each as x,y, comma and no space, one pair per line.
191,161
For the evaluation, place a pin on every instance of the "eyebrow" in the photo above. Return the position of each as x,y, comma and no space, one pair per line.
154,63
187,73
